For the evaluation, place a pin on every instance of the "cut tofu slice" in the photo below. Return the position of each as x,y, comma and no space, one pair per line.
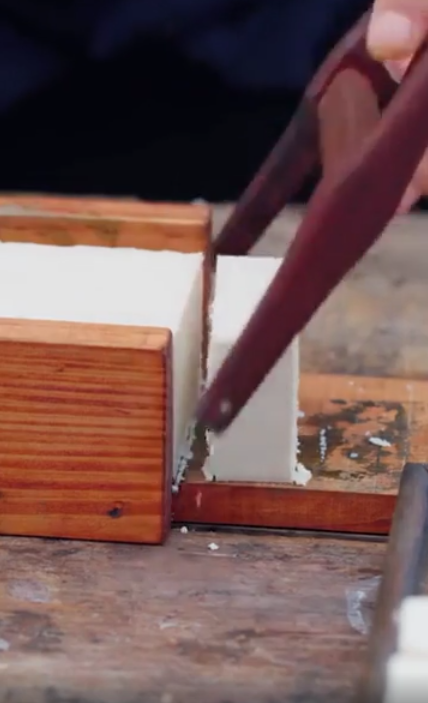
261,444
98,285
413,626
406,679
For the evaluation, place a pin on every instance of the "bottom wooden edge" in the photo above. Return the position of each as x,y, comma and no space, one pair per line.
155,539
283,507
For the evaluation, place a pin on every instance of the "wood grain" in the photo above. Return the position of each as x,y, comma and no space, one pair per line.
104,222
272,506
85,436
85,431
264,619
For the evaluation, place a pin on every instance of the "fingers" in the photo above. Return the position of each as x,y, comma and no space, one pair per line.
421,176
397,69
410,198
419,183
417,188
397,28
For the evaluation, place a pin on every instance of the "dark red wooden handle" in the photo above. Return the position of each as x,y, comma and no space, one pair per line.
281,175
297,152
347,213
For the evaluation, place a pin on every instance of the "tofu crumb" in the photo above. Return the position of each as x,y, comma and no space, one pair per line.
301,475
379,442
323,444
207,474
353,455
184,530
213,546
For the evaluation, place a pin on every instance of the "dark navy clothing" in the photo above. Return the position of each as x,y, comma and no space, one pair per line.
252,44
162,99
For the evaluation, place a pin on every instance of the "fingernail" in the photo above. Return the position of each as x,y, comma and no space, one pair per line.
397,69
410,197
392,35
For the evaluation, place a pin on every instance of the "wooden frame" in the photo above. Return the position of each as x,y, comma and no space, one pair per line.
102,222
354,486
364,375
85,439
346,494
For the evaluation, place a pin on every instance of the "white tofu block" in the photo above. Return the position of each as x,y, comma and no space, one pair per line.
406,679
261,444
413,626
119,287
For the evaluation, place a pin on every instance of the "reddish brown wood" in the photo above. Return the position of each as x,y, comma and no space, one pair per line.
104,222
85,431
346,215
298,150
287,167
353,481
347,113
258,505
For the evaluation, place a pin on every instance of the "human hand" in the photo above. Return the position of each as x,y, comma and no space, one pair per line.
396,30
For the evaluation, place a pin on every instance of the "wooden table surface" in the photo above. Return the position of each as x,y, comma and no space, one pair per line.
264,617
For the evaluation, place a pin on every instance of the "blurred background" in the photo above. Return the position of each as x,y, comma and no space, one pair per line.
154,121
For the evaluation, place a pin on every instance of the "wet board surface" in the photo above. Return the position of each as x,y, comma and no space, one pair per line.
356,433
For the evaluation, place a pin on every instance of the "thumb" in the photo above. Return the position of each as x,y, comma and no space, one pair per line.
397,28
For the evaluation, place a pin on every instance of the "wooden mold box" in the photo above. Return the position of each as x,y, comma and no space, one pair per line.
85,426
354,482
363,398
365,371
